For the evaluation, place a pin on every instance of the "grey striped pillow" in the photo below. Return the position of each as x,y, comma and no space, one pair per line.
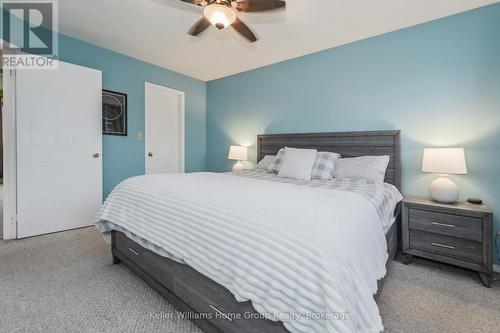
323,168
275,166
324,165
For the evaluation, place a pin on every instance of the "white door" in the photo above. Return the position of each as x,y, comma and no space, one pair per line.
164,137
59,163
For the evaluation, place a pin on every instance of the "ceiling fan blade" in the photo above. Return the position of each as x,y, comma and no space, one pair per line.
242,28
199,27
259,5
194,2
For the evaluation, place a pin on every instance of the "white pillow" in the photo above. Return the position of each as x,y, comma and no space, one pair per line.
297,163
265,162
371,168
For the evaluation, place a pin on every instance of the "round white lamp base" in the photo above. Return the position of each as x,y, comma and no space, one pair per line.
239,166
444,190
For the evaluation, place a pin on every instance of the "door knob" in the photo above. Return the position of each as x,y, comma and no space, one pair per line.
96,155
150,154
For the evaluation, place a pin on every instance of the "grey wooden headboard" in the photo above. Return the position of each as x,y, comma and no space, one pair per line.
347,144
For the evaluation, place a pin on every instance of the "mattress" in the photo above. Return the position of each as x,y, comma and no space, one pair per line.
310,249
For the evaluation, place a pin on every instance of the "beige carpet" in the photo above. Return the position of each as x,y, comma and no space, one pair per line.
66,283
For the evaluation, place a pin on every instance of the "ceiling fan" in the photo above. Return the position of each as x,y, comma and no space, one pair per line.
223,13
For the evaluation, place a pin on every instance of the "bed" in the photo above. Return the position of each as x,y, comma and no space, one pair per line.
216,264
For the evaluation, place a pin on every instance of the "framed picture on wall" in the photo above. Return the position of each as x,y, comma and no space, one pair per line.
114,113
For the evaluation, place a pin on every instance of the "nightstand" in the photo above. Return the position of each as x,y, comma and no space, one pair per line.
458,234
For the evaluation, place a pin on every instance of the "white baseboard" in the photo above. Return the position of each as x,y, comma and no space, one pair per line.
496,268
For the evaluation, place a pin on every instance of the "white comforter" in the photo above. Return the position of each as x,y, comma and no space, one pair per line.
313,254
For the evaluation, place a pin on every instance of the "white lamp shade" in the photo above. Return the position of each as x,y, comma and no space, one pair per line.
444,161
238,153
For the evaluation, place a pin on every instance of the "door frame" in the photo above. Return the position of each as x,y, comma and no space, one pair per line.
182,114
9,155
9,132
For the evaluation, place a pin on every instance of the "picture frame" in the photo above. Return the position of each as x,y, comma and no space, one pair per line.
114,113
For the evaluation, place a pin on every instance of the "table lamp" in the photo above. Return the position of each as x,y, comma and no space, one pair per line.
444,161
238,153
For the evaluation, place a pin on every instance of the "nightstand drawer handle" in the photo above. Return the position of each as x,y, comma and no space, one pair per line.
445,246
133,251
443,224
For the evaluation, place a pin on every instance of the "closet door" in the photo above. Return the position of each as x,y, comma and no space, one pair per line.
164,126
59,162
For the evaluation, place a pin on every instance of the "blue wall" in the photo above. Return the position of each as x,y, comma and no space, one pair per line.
438,82
123,157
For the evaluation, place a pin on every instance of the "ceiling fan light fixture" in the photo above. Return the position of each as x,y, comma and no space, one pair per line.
219,16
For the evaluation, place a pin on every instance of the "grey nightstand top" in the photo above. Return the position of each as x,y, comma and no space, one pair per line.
459,205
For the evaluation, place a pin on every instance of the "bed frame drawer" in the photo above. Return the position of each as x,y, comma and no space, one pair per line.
448,246
464,227
184,285
150,262
207,300
206,296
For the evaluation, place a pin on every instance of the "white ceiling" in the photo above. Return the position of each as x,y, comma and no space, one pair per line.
155,30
